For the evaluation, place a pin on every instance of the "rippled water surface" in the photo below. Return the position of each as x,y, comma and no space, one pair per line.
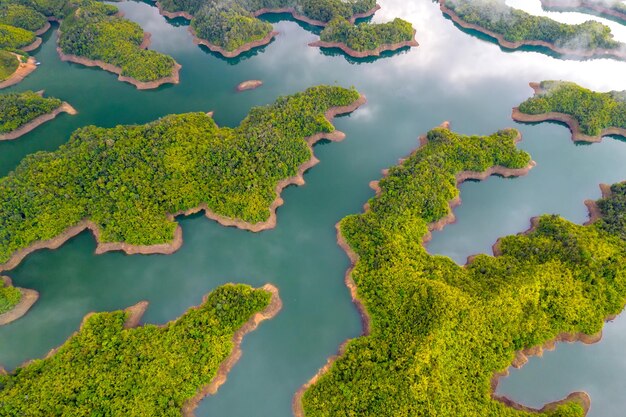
452,76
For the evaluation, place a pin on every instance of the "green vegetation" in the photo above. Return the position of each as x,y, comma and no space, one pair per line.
108,370
613,210
367,37
126,179
593,111
17,109
9,297
94,31
440,331
232,24
22,17
13,38
8,64
518,26
600,7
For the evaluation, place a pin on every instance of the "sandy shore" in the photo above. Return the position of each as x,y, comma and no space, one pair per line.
141,85
177,241
33,124
36,44
43,29
21,72
29,297
571,6
595,53
233,54
365,54
570,121
249,85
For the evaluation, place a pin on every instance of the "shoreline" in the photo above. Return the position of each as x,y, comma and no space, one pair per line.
594,53
177,241
174,78
22,71
36,44
570,121
249,85
304,19
582,4
65,107
389,47
233,54
227,364
29,297
43,29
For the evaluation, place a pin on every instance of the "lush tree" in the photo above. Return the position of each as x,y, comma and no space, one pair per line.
17,109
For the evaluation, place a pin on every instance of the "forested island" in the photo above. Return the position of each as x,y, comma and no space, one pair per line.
232,28
112,366
611,9
22,112
437,335
589,115
127,183
514,28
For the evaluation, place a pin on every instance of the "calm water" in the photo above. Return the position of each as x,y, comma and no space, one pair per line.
451,76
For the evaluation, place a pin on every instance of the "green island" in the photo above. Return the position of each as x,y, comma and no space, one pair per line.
22,112
590,115
94,34
127,183
114,367
365,39
21,16
233,27
439,335
610,9
514,28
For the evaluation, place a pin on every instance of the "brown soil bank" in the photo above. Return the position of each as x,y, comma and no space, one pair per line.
176,243
141,85
365,54
570,121
21,72
33,124
29,297
577,53
249,85
573,5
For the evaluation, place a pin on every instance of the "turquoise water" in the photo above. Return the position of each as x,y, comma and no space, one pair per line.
451,76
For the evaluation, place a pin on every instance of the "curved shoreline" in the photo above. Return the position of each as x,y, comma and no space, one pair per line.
174,78
582,4
227,365
233,54
521,356
389,47
570,121
29,297
22,71
43,29
249,85
177,241
33,124
595,53
36,44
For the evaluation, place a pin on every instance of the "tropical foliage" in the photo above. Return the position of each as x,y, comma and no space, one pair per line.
96,32
17,109
8,64
21,16
106,369
128,178
9,296
593,111
518,26
439,331
367,37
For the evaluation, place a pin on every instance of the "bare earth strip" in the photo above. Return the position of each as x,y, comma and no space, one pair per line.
176,243
29,297
22,71
33,124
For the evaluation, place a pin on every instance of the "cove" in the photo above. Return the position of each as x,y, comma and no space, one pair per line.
451,76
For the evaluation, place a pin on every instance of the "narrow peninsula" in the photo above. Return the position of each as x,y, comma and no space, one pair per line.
128,183
14,302
610,9
438,335
21,113
232,28
14,68
513,29
589,115
114,366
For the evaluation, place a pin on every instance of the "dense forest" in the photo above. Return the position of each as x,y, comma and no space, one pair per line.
593,111
128,178
107,369
95,31
9,296
17,109
8,64
367,37
21,16
439,331
13,38
518,26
